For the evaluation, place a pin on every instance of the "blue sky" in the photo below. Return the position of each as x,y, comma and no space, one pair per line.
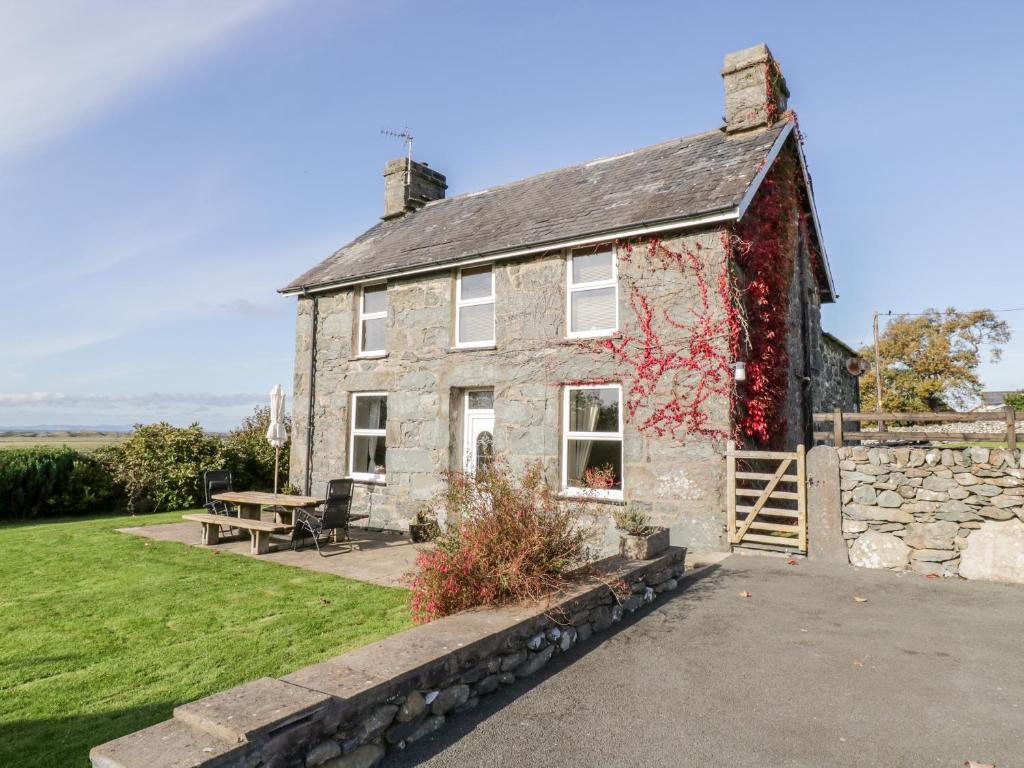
166,166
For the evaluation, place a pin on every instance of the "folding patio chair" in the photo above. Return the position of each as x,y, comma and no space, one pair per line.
335,516
218,481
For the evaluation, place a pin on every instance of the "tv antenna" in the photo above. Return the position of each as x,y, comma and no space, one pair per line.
405,136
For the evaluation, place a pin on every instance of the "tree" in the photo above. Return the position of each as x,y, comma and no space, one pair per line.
160,466
250,457
930,361
1015,400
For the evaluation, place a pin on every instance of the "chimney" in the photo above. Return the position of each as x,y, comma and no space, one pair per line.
404,191
755,90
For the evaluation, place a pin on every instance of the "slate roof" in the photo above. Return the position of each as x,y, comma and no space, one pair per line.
683,178
995,397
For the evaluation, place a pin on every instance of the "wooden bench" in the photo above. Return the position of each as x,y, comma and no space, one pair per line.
259,530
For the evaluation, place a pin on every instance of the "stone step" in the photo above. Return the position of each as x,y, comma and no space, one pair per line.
254,710
170,744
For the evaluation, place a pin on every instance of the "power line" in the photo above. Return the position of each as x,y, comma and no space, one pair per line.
941,312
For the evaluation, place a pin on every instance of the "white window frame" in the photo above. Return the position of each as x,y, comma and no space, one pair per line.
460,303
571,288
354,432
600,493
361,315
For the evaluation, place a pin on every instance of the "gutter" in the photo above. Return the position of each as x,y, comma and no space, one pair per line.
729,214
312,393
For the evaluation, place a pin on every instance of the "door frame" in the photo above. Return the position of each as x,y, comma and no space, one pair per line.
469,415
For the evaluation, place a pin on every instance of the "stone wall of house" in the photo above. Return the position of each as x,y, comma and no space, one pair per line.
803,328
679,483
944,511
355,708
832,385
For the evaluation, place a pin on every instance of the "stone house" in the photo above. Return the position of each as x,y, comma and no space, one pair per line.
629,314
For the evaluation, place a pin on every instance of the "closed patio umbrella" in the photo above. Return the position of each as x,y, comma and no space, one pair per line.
276,432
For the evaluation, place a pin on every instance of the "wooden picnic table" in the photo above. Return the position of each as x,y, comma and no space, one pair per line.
259,530
249,503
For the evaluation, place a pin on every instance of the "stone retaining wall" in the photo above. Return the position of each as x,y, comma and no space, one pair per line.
355,708
935,510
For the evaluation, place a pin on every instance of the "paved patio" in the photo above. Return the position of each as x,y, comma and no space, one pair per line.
924,673
375,557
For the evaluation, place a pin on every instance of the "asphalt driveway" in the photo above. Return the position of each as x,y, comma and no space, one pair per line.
924,673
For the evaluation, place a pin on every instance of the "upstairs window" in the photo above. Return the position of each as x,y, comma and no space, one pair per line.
367,448
593,293
373,318
592,437
474,313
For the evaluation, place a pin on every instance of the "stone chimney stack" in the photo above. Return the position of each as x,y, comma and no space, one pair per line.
405,192
755,90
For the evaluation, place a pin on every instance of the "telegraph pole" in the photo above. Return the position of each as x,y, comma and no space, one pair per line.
878,374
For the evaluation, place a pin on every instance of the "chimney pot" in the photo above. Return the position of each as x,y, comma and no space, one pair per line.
408,187
755,90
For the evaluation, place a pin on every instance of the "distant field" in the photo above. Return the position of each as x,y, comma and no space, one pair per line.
80,441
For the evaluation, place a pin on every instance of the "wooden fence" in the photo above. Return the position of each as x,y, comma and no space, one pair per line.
758,510
839,435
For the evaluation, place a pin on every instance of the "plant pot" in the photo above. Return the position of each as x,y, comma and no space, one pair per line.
643,547
421,532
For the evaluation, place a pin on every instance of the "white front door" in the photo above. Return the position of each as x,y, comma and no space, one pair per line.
479,435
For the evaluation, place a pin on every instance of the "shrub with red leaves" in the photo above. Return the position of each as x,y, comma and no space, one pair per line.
508,539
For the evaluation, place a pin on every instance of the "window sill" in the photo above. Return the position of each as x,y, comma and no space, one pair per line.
593,335
367,480
613,502
369,356
484,348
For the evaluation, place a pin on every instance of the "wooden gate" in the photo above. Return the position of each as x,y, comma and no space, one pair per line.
766,498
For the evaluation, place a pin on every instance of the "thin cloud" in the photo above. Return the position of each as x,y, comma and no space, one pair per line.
65,62
61,400
252,308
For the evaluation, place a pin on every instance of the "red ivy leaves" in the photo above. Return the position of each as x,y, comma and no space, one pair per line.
671,380
764,250
671,384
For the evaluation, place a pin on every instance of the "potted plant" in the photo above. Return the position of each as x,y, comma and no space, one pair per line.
638,539
423,526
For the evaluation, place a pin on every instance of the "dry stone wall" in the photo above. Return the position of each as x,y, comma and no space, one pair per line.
943,511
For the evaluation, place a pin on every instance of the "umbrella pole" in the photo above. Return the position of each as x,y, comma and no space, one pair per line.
277,461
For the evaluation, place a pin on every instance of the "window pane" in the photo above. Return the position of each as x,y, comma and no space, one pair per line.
371,412
373,334
587,267
484,449
583,455
476,323
368,455
593,310
481,399
375,299
476,283
594,410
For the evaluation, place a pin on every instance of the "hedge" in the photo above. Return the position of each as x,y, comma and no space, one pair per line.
158,467
49,481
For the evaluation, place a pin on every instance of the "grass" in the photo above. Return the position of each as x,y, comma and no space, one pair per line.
103,633
80,441
980,444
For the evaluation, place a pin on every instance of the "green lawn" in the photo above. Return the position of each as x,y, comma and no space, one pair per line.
85,442
103,633
982,444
